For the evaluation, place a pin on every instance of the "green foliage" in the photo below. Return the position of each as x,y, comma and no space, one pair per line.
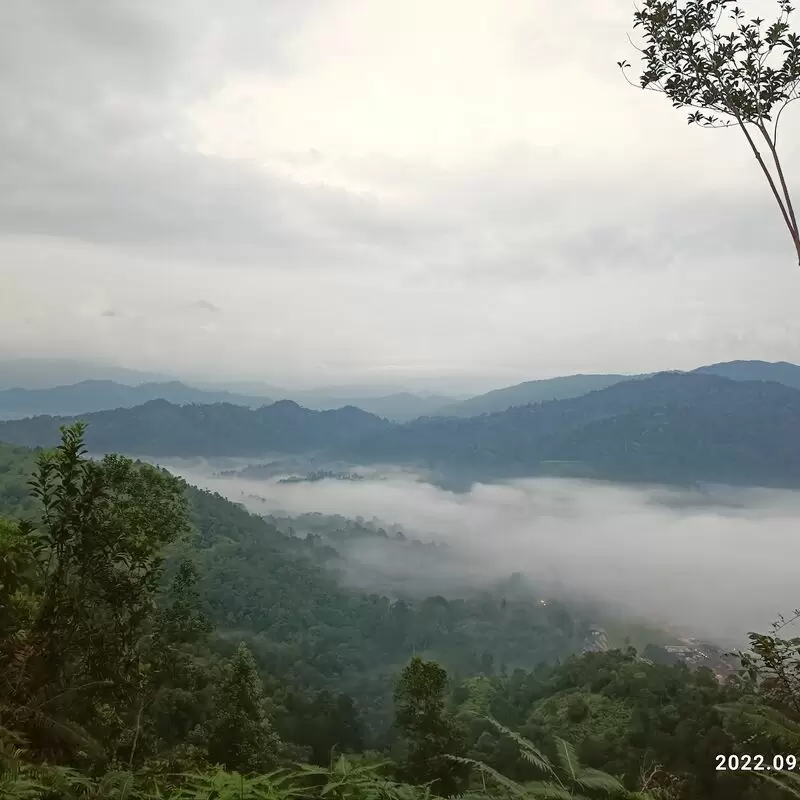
430,733
766,719
640,719
280,593
562,779
137,699
239,735
695,63
16,465
82,595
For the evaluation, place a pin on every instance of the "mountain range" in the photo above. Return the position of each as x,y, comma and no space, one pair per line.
100,395
568,386
37,395
88,396
669,427
95,395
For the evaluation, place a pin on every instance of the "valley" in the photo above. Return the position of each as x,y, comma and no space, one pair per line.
398,401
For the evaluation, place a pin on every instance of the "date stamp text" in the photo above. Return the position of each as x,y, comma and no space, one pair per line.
755,763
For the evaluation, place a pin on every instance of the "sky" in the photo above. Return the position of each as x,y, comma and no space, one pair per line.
372,191
675,558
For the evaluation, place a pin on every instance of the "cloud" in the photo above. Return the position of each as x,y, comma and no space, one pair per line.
360,184
693,561
202,305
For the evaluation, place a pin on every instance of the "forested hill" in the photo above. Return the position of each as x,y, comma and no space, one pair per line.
522,394
194,650
674,427
281,594
159,428
779,371
86,397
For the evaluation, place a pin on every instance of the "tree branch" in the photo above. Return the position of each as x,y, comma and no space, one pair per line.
771,182
782,179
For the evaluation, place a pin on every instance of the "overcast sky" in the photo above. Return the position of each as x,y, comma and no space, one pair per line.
328,191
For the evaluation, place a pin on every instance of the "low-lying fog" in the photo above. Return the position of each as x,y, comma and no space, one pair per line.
717,563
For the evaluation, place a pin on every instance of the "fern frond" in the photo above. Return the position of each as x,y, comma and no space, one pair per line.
776,781
528,750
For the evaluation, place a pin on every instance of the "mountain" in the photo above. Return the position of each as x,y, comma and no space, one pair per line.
530,392
100,395
671,427
88,396
398,407
159,428
44,373
290,595
569,386
780,371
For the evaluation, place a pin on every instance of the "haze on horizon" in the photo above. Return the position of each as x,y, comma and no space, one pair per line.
365,191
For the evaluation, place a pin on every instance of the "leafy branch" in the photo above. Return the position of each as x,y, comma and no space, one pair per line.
731,71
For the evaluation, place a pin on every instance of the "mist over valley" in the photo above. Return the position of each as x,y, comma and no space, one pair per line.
679,558
397,403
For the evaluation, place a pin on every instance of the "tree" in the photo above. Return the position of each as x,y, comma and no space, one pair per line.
169,673
86,594
431,734
705,55
240,736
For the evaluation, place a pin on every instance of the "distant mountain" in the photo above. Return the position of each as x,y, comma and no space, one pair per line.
95,395
161,429
399,407
45,373
569,386
530,392
670,427
89,396
779,371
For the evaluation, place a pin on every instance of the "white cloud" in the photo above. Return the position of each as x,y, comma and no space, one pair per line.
362,184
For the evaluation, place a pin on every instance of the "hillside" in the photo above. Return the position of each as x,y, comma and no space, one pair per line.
88,396
159,428
104,395
523,394
254,641
282,594
94,395
398,407
674,427
566,387
779,371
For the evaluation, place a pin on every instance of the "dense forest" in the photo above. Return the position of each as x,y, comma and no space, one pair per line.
157,640
678,428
